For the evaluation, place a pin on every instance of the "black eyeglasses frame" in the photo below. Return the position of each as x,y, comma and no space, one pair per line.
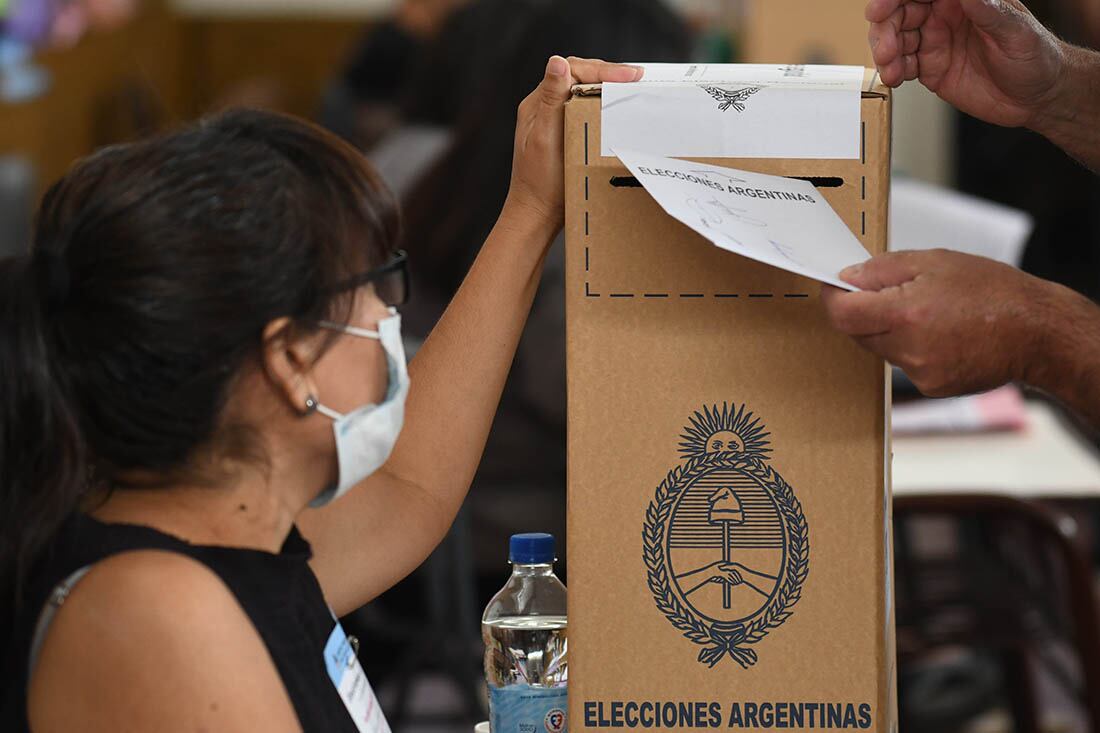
398,263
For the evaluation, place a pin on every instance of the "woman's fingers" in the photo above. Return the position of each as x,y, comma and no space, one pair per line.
592,71
556,82
561,74
555,86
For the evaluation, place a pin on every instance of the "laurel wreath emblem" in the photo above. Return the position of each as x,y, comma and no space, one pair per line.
721,639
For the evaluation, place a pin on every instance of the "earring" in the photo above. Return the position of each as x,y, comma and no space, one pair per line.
311,405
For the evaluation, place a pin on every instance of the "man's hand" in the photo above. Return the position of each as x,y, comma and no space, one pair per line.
953,322
990,58
958,323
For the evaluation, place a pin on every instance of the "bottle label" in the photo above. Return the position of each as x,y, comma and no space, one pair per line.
526,709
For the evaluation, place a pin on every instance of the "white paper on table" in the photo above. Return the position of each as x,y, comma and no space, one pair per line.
999,409
780,221
735,111
923,216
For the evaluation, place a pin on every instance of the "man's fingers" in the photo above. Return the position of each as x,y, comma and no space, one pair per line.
907,14
885,345
892,72
883,38
895,37
911,66
910,41
884,271
864,313
868,317
887,45
878,11
879,307
912,15
591,71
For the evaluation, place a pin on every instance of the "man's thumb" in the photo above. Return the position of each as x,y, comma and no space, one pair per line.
883,271
999,19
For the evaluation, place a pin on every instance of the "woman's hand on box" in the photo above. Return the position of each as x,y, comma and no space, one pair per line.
538,173
953,322
990,58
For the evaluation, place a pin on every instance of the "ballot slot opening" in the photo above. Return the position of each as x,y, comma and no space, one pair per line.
816,181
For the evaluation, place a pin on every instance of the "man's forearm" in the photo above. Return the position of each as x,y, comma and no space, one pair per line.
1067,360
1071,120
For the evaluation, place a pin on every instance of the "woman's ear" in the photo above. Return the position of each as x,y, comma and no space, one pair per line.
288,358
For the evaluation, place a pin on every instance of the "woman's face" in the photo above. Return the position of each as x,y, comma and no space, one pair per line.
350,372
353,372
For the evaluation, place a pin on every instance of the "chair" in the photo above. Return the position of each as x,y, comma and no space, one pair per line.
1005,576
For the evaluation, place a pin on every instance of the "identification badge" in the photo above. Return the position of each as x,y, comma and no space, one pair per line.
351,682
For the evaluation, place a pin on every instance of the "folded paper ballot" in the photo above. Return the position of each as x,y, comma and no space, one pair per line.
779,221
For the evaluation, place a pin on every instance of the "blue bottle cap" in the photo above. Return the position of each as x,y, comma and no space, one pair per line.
535,548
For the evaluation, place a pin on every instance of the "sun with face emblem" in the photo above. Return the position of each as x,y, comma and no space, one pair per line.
724,430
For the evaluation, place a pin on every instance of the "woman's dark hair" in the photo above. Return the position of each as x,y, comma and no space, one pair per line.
155,267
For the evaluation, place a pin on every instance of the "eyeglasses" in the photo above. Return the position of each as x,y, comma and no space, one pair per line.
391,280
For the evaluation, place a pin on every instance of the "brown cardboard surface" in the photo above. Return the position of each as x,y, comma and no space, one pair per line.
802,32
660,325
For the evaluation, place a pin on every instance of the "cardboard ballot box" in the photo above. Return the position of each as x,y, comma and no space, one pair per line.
728,514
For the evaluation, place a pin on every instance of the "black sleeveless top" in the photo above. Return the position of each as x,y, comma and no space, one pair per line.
279,593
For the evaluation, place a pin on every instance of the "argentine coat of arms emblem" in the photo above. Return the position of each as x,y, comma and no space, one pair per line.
726,545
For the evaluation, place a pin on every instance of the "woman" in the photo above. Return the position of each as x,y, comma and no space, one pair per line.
201,347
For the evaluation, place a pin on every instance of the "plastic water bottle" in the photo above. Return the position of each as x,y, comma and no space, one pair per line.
526,662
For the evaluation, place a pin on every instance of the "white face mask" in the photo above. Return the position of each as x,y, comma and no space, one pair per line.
366,436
